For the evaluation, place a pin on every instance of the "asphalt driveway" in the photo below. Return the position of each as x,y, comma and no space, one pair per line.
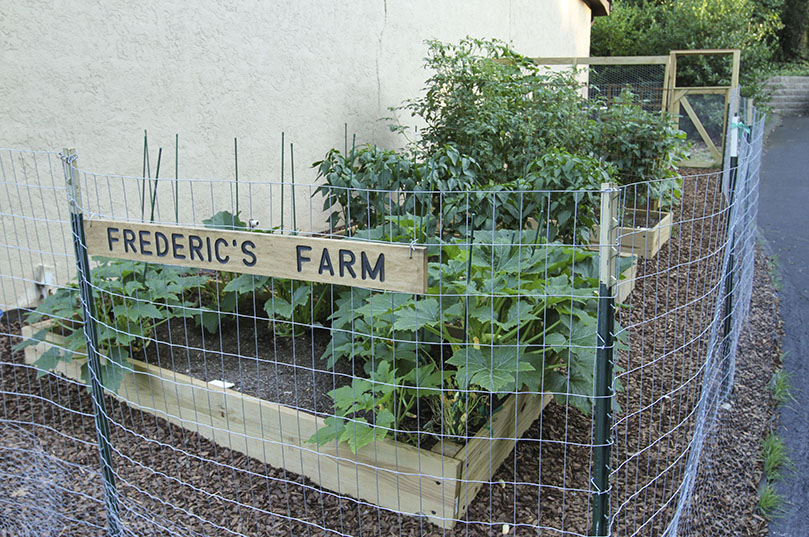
784,221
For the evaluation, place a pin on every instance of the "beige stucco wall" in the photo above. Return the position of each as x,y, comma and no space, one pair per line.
94,75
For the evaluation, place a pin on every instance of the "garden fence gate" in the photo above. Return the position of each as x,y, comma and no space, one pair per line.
700,83
525,380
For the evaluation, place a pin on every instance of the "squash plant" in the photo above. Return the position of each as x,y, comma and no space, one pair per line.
504,312
288,303
131,299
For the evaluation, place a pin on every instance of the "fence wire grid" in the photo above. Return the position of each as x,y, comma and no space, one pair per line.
238,404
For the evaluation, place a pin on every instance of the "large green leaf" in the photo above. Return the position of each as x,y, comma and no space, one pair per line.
35,339
137,310
48,361
224,220
246,283
492,368
358,433
418,314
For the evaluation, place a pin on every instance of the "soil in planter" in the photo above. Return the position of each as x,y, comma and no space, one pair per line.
246,352
641,218
287,370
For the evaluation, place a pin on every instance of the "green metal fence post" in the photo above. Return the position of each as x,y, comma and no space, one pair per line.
88,310
727,373
608,255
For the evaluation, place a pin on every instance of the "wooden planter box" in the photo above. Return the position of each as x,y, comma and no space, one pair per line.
627,281
638,240
439,484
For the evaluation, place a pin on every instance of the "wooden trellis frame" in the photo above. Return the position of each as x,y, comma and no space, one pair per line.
675,98
679,99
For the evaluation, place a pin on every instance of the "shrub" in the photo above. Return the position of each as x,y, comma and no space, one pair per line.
642,145
496,107
641,28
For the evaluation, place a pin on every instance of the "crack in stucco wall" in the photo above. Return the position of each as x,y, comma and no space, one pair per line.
379,59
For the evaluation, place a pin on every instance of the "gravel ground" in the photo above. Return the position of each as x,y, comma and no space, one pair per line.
173,482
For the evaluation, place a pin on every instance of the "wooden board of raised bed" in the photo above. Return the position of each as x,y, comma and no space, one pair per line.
439,484
643,232
627,280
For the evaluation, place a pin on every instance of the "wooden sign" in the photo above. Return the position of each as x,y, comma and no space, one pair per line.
392,267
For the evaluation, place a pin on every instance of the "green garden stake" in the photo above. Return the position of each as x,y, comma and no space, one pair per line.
282,183
292,187
153,193
236,163
176,182
146,173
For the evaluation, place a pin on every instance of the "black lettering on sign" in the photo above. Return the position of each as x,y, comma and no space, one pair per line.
110,238
245,251
377,271
176,246
129,241
299,250
144,244
195,247
217,243
347,259
161,243
325,262
331,261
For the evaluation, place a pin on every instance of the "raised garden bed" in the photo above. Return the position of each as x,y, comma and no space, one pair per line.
643,232
439,483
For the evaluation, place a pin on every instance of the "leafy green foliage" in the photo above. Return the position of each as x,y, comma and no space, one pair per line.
643,146
501,316
369,184
289,303
130,302
643,28
496,107
225,220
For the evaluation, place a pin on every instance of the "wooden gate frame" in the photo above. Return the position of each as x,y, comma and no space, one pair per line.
674,96
678,98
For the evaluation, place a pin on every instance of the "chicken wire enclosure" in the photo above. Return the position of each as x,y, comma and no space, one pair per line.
646,81
647,77
250,404
48,455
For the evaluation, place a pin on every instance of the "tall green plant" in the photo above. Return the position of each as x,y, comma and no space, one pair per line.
642,145
496,107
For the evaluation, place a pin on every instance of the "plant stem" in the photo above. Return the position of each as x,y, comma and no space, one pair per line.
176,182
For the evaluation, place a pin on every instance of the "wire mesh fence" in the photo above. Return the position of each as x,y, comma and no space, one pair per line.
228,402
647,81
